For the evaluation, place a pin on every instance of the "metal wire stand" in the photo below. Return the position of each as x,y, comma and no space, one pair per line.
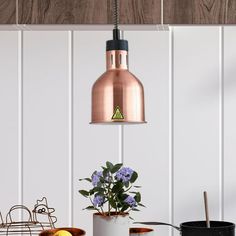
31,223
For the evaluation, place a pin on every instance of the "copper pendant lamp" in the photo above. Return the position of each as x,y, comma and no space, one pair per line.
117,95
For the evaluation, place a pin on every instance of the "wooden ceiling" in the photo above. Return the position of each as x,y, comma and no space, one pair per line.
199,11
7,11
87,11
131,12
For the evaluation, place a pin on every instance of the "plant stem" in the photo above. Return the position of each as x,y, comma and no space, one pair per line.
116,209
109,193
94,206
102,211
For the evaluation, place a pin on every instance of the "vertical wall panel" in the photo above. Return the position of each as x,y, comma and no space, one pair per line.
196,122
229,123
93,144
8,120
146,147
45,120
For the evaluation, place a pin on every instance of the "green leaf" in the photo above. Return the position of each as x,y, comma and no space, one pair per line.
141,205
105,174
90,208
134,177
122,197
98,189
112,202
99,194
117,187
131,218
135,209
116,168
109,165
84,193
137,197
87,179
91,192
136,186
124,208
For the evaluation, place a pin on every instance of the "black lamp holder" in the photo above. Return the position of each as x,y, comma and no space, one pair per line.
117,43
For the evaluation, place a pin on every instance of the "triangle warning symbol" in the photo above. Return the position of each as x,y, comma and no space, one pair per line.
117,114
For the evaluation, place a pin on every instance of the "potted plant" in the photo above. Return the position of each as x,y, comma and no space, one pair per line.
112,197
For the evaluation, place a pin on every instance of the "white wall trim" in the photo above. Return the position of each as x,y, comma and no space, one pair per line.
71,126
100,27
83,27
20,117
221,121
171,128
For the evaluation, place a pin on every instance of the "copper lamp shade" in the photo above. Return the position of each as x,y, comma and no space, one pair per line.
117,96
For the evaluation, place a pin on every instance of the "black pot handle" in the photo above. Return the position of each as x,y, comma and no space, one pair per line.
157,223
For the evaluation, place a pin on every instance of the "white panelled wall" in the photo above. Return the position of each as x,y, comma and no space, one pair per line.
187,146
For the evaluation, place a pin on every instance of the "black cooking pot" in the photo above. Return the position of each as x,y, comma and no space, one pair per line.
199,228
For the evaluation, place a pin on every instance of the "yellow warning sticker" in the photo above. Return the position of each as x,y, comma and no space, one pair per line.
117,114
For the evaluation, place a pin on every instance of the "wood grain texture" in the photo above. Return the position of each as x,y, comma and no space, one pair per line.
7,11
195,11
88,12
140,12
231,12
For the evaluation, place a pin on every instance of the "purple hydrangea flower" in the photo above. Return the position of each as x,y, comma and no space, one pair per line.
98,201
124,174
131,201
96,178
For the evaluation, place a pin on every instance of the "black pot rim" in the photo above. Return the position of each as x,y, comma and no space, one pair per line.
225,225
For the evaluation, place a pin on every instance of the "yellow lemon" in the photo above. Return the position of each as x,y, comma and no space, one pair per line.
62,233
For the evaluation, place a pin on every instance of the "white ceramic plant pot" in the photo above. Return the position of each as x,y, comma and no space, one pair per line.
114,225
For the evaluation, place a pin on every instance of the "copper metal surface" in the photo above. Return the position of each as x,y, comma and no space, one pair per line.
140,230
117,59
117,88
73,231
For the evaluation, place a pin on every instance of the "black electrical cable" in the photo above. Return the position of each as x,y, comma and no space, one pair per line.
116,43
115,14
116,31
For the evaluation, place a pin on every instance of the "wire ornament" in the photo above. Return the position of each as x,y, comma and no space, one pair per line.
32,224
